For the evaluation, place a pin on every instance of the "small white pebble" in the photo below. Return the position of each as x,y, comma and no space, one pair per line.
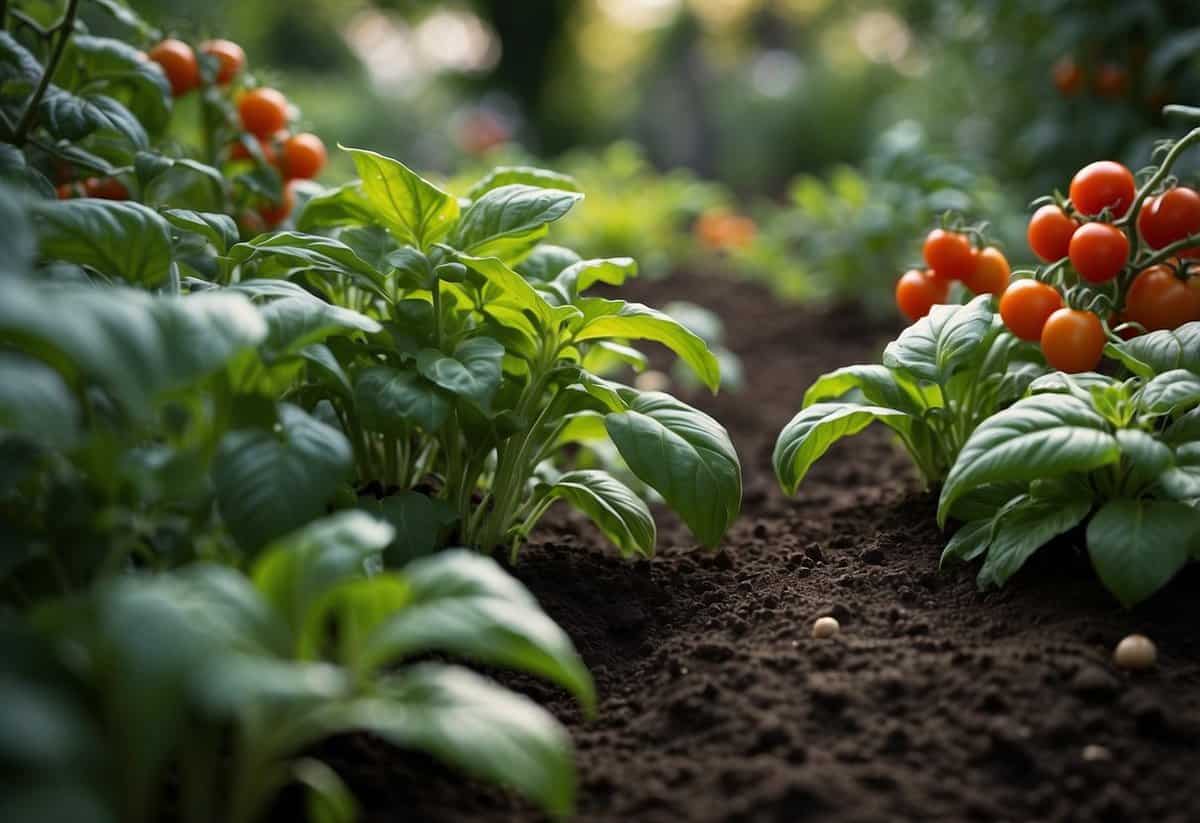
1094,753
1136,652
825,627
652,380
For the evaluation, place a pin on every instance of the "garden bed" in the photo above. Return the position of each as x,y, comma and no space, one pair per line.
936,701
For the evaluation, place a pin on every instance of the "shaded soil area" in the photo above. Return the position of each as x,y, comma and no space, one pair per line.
935,702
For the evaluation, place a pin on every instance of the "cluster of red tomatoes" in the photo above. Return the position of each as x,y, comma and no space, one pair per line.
1109,80
263,112
1092,232
950,256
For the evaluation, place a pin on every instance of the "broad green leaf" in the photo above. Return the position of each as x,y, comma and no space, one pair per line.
269,483
875,383
218,229
71,117
326,366
296,322
1145,457
420,521
472,724
119,11
136,345
391,401
346,205
817,427
36,403
473,372
297,571
935,346
575,279
616,319
1020,531
1160,351
1182,480
123,240
1186,429
1171,392
110,64
172,181
968,543
413,209
685,456
236,682
507,222
546,262
1045,435
506,288
456,608
611,505
604,356
1079,385
1137,546
329,799
525,175
282,254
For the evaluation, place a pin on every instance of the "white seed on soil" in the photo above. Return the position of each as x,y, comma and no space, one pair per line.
1136,652
652,380
825,627
1094,753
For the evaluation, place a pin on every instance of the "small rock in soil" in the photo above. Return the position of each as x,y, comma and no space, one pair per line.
1095,683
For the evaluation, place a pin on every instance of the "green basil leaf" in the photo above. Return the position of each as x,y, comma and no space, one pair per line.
546,262
616,319
112,64
875,383
1021,530
940,343
1160,351
269,483
218,229
1182,480
507,222
36,403
685,456
473,372
525,175
69,117
1137,546
420,522
392,401
612,506
414,210
470,723
285,253
122,240
1145,456
817,427
1045,435
345,205
970,542
575,279
296,322
1171,392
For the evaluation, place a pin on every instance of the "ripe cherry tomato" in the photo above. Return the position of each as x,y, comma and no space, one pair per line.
1103,184
949,255
263,111
230,58
1073,341
1098,252
1049,233
991,272
303,156
1111,80
1159,300
250,223
917,292
178,62
1170,216
65,191
1068,77
105,188
276,213
1025,306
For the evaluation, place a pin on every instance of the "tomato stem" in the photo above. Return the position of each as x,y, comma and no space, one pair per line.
64,29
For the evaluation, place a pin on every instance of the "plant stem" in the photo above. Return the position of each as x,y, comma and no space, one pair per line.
64,30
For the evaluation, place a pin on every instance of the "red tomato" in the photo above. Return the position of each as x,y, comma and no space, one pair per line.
276,213
1050,231
1098,252
949,254
1103,184
1073,341
263,111
230,58
1111,80
991,272
1068,77
1157,299
1025,306
1170,216
303,156
178,62
917,292
105,188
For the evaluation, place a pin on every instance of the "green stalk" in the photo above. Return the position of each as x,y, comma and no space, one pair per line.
64,29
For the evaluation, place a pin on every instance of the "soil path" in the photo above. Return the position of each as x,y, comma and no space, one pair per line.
936,702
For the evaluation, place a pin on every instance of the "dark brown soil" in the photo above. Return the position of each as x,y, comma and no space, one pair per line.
936,701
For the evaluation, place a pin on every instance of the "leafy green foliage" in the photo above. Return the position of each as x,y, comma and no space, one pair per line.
1119,455
943,377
